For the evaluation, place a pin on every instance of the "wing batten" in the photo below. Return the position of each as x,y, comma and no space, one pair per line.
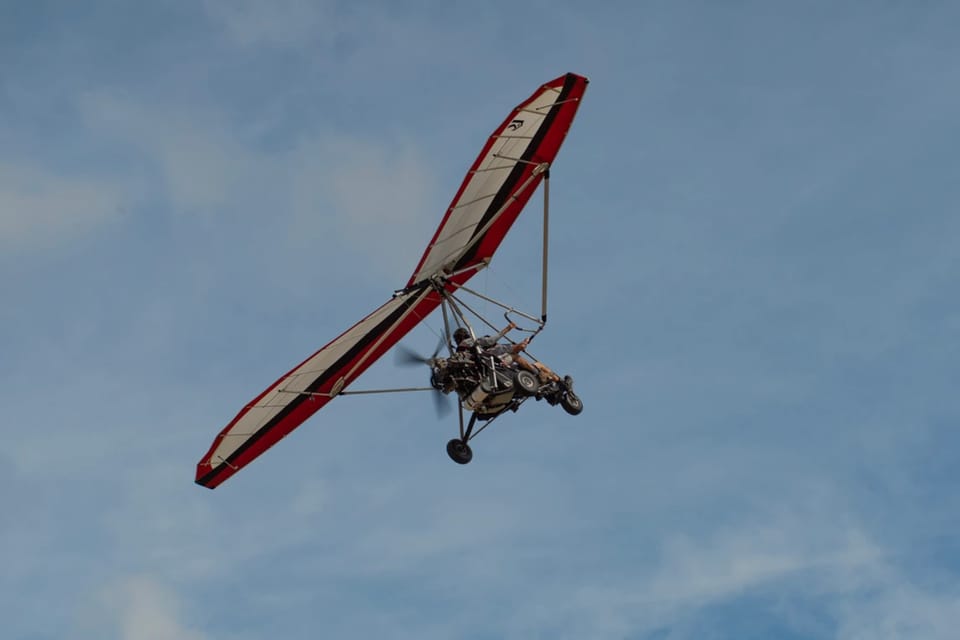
274,425
514,137
508,159
519,169
475,200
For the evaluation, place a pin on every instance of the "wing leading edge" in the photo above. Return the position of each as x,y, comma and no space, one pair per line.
502,179
305,389
495,190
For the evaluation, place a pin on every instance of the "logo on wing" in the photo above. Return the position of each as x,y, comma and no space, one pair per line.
515,124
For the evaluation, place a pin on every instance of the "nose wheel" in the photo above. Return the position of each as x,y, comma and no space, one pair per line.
459,451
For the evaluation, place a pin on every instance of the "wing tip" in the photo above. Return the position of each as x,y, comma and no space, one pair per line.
207,477
575,76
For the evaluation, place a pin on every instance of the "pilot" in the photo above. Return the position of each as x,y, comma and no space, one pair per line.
461,339
489,345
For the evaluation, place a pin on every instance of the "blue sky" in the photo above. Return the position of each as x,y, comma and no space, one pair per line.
753,281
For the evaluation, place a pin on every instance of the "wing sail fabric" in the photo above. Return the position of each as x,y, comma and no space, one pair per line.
304,390
502,179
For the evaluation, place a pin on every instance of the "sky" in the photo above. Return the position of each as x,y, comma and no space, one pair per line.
753,280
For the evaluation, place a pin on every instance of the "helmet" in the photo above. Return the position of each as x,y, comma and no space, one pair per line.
460,335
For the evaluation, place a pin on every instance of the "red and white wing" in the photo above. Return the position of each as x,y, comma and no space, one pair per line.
303,391
502,179
491,197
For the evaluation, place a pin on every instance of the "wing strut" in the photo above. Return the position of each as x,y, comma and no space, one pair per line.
442,283
540,168
546,238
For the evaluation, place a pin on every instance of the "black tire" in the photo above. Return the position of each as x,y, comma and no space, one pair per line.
571,403
459,451
527,383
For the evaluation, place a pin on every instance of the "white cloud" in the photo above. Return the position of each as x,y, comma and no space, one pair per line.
897,609
808,553
735,561
278,23
141,608
40,209
201,163
374,196
805,560
377,197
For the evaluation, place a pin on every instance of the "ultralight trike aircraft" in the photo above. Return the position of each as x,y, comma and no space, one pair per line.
488,378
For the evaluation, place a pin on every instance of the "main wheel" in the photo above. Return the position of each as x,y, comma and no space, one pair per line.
459,451
571,403
527,382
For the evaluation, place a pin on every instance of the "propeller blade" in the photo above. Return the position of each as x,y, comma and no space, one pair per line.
408,357
440,345
442,404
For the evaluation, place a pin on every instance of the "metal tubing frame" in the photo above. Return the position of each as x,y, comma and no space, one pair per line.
369,391
546,244
473,434
467,435
318,394
503,306
479,233
542,321
449,299
456,302
446,324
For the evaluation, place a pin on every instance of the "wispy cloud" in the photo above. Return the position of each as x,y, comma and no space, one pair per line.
201,164
375,196
791,559
42,209
139,607
286,23
893,607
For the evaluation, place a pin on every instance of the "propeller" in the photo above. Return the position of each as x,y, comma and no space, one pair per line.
409,358
441,404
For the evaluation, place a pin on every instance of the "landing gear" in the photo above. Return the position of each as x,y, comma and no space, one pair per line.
459,451
571,403
527,383
486,400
